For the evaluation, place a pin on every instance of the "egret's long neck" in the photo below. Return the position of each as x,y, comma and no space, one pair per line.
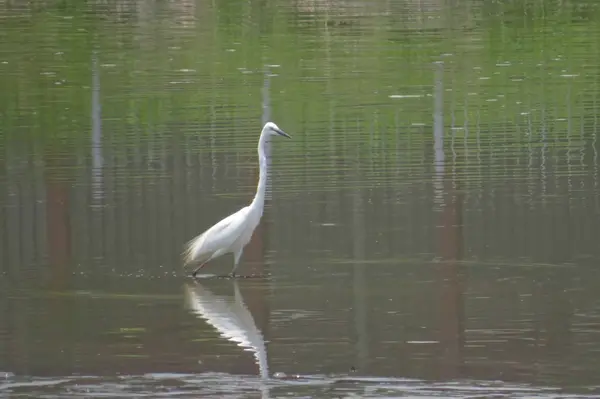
259,198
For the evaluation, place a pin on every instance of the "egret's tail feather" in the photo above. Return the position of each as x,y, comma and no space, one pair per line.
190,253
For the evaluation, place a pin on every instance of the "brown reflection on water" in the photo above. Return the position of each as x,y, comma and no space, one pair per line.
58,221
452,284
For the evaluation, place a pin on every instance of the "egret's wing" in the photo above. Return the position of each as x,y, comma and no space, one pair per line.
219,236
231,318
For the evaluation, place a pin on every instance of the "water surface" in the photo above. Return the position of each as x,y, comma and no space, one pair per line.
430,230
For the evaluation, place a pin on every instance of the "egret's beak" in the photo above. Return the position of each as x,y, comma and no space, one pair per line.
282,133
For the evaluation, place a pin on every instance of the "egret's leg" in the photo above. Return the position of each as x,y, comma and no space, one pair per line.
214,255
198,268
236,259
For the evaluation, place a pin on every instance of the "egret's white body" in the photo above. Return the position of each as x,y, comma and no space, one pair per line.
234,232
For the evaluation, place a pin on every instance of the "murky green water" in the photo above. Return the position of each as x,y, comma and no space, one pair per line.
431,230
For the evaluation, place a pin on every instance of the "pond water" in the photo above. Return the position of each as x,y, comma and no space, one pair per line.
430,230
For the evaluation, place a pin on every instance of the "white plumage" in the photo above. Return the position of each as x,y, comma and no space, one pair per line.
234,232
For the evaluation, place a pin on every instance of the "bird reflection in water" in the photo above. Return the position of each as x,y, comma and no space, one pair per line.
230,317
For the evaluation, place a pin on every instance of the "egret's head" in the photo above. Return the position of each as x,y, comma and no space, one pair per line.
271,129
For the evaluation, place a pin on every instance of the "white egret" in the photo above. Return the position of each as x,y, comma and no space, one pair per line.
234,232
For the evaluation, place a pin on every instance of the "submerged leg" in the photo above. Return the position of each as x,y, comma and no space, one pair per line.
236,259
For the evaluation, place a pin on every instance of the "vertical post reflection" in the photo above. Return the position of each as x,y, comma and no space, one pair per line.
97,232
595,151
255,250
569,146
266,116
359,283
450,242
438,132
543,149
266,98
97,159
